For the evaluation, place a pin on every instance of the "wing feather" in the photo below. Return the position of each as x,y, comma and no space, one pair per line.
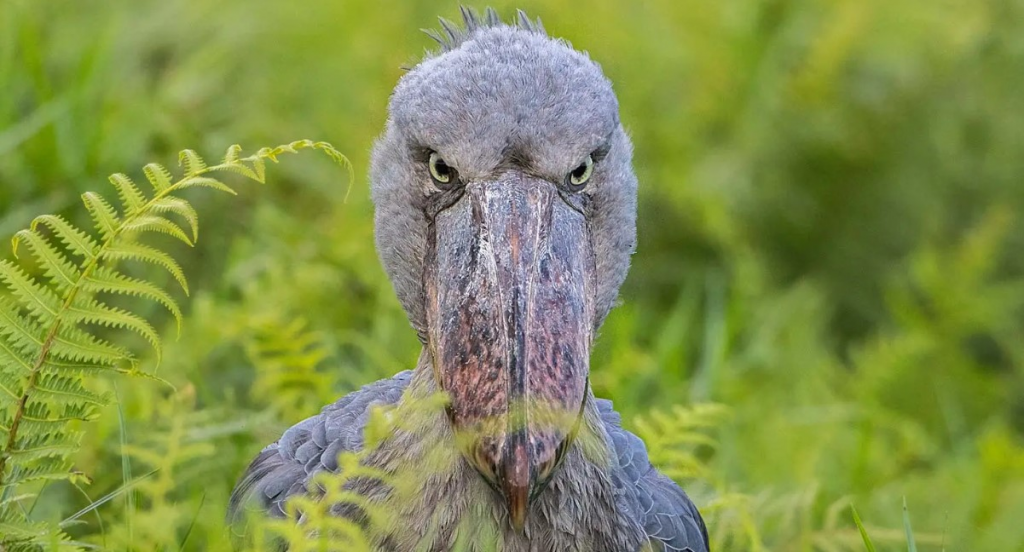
668,516
283,468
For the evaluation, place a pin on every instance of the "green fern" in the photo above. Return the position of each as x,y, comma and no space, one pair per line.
288,357
674,437
48,342
174,451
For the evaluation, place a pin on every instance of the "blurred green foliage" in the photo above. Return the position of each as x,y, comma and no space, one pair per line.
826,307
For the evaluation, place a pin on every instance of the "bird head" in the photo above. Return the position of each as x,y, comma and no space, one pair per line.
505,217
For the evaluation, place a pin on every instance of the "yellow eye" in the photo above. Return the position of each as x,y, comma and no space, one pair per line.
579,176
442,174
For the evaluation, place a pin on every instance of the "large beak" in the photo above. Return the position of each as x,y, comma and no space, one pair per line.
509,277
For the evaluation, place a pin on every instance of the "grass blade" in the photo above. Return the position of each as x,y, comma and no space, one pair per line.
192,525
863,532
911,545
126,464
107,498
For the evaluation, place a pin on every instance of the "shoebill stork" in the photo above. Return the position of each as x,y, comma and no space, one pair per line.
505,218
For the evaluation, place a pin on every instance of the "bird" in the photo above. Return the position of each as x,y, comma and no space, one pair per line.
505,217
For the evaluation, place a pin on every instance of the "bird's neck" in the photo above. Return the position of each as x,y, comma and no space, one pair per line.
441,499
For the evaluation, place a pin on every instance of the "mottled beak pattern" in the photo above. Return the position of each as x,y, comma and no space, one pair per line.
509,273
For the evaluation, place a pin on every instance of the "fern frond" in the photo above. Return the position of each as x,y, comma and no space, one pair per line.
51,469
12,381
131,196
77,241
22,533
91,311
10,500
158,224
231,156
158,176
19,330
192,162
42,413
103,214
64,388
40,419
239,168
134,251
68,366
287,356
61,273
105,280
46,348
11,384
259,166
178,206
673,436
74,345
36,446
42,302
206,182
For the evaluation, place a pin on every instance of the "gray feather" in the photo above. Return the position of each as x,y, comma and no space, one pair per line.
668,516
453,36
283,468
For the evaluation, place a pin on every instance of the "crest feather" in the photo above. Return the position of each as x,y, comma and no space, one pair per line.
451,35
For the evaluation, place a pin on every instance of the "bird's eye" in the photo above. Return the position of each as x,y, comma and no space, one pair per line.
442,174
579,176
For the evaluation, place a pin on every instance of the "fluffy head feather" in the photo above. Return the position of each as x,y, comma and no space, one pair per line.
500,96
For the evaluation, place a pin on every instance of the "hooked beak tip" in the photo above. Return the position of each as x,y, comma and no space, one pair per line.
517,508
516,481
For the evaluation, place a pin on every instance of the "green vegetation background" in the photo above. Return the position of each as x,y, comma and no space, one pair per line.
826,307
